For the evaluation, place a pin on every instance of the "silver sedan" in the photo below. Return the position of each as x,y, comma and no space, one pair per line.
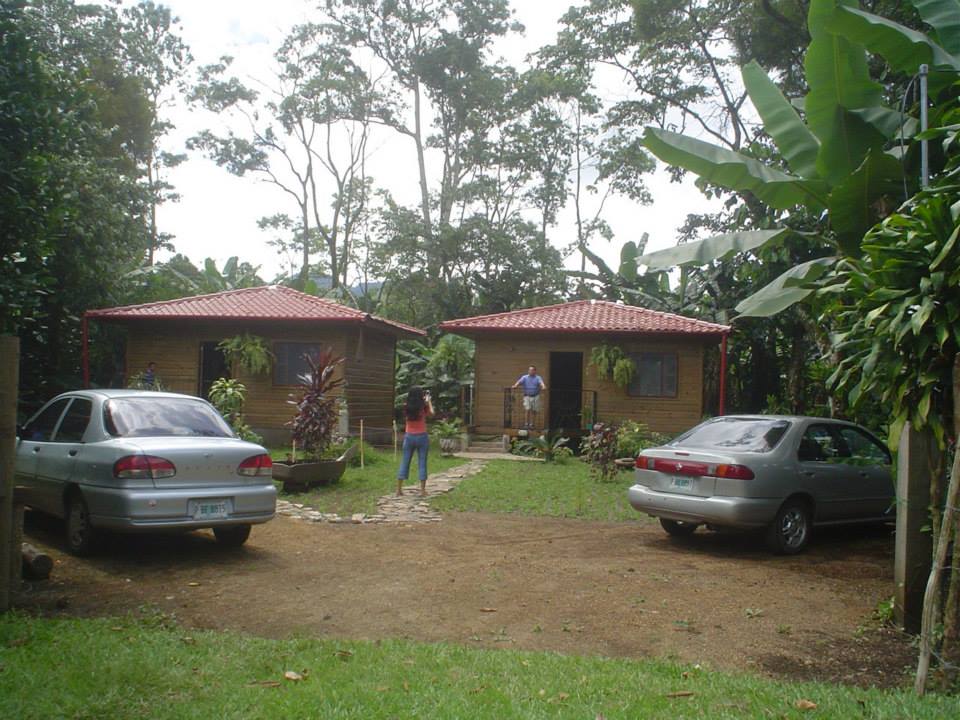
133,460
784,474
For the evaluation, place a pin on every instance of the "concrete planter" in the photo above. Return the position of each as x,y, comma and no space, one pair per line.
301,476
449,445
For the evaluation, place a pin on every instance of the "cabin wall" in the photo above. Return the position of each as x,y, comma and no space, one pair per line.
175,348
500,360
370,386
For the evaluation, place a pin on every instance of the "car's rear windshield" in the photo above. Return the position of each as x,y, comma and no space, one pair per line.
743,434
163,417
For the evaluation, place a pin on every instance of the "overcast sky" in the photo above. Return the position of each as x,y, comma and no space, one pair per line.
217,214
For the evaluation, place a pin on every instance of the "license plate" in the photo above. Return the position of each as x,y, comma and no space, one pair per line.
211,510
681,483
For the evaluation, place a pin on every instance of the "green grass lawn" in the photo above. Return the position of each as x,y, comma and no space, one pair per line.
538,488
148,667
359,488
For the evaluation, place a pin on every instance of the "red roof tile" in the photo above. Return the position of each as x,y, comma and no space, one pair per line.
269,302
586,316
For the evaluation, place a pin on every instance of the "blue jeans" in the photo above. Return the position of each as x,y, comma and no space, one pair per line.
421,443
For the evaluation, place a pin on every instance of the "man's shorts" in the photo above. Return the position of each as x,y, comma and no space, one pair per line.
531,403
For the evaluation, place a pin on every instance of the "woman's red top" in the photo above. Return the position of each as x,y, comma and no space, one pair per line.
418,426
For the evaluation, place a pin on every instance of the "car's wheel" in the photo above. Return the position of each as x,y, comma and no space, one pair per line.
790,530
232,535
678,528
81,535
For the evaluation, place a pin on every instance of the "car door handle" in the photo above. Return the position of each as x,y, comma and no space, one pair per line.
36,449
72,453
807,473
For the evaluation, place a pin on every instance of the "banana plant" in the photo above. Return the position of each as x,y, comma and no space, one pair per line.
840,162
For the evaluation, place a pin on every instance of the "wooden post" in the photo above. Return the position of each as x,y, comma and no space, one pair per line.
916,460
9,527
361,444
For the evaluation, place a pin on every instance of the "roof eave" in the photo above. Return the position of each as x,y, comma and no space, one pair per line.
468,331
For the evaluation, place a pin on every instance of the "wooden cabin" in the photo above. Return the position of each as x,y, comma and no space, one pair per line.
181,337
667,351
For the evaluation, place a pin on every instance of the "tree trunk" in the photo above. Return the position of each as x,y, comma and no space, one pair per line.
941,560
951,610
421,162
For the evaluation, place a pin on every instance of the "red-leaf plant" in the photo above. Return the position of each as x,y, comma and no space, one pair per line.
318,415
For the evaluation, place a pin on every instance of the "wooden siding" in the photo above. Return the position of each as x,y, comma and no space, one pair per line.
175,348
500,360
370,385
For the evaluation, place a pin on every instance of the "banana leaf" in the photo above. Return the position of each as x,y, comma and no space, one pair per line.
944,17
718,247
840,82
735,171
904,49
786,290
852,202
781,121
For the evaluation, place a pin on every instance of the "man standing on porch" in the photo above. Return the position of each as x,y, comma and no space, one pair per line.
532,385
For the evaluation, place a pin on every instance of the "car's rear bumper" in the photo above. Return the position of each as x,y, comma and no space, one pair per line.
715,510
153,509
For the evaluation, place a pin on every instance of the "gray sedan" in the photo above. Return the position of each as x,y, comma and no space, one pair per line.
781,473
134,460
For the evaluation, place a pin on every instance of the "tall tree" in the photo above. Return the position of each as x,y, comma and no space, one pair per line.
131,59
314,136
71,212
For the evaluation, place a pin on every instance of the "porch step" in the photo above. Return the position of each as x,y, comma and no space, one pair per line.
490,446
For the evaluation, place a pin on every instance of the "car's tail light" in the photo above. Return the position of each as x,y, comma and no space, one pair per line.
256,466
134,467
734,472
693,469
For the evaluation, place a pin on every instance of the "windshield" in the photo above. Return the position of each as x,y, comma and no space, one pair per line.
163,417
730,433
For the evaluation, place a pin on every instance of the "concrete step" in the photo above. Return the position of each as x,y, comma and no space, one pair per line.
493,446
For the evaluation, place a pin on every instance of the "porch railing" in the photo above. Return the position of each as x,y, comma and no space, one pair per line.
570,409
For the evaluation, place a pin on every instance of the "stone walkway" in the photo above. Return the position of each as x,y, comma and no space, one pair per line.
410,507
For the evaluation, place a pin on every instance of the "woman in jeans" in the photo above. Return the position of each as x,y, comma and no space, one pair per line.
415,437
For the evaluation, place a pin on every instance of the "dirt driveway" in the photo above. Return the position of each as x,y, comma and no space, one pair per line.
612,589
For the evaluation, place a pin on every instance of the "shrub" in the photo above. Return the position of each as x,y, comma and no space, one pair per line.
228,396
633,436
600,450
551,446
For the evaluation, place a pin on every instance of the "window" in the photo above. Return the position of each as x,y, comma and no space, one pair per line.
819,444
733,433
40,428
75,422
289,364
863,448
163,417
655,376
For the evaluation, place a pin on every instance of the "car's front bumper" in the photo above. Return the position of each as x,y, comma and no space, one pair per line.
715,510
156,509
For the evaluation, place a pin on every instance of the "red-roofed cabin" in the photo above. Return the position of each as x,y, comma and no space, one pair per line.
667,350
181,337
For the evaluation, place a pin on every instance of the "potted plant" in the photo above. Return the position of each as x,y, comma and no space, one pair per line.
314,426
449,433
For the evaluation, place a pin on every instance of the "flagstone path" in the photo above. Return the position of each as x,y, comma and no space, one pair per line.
411,507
